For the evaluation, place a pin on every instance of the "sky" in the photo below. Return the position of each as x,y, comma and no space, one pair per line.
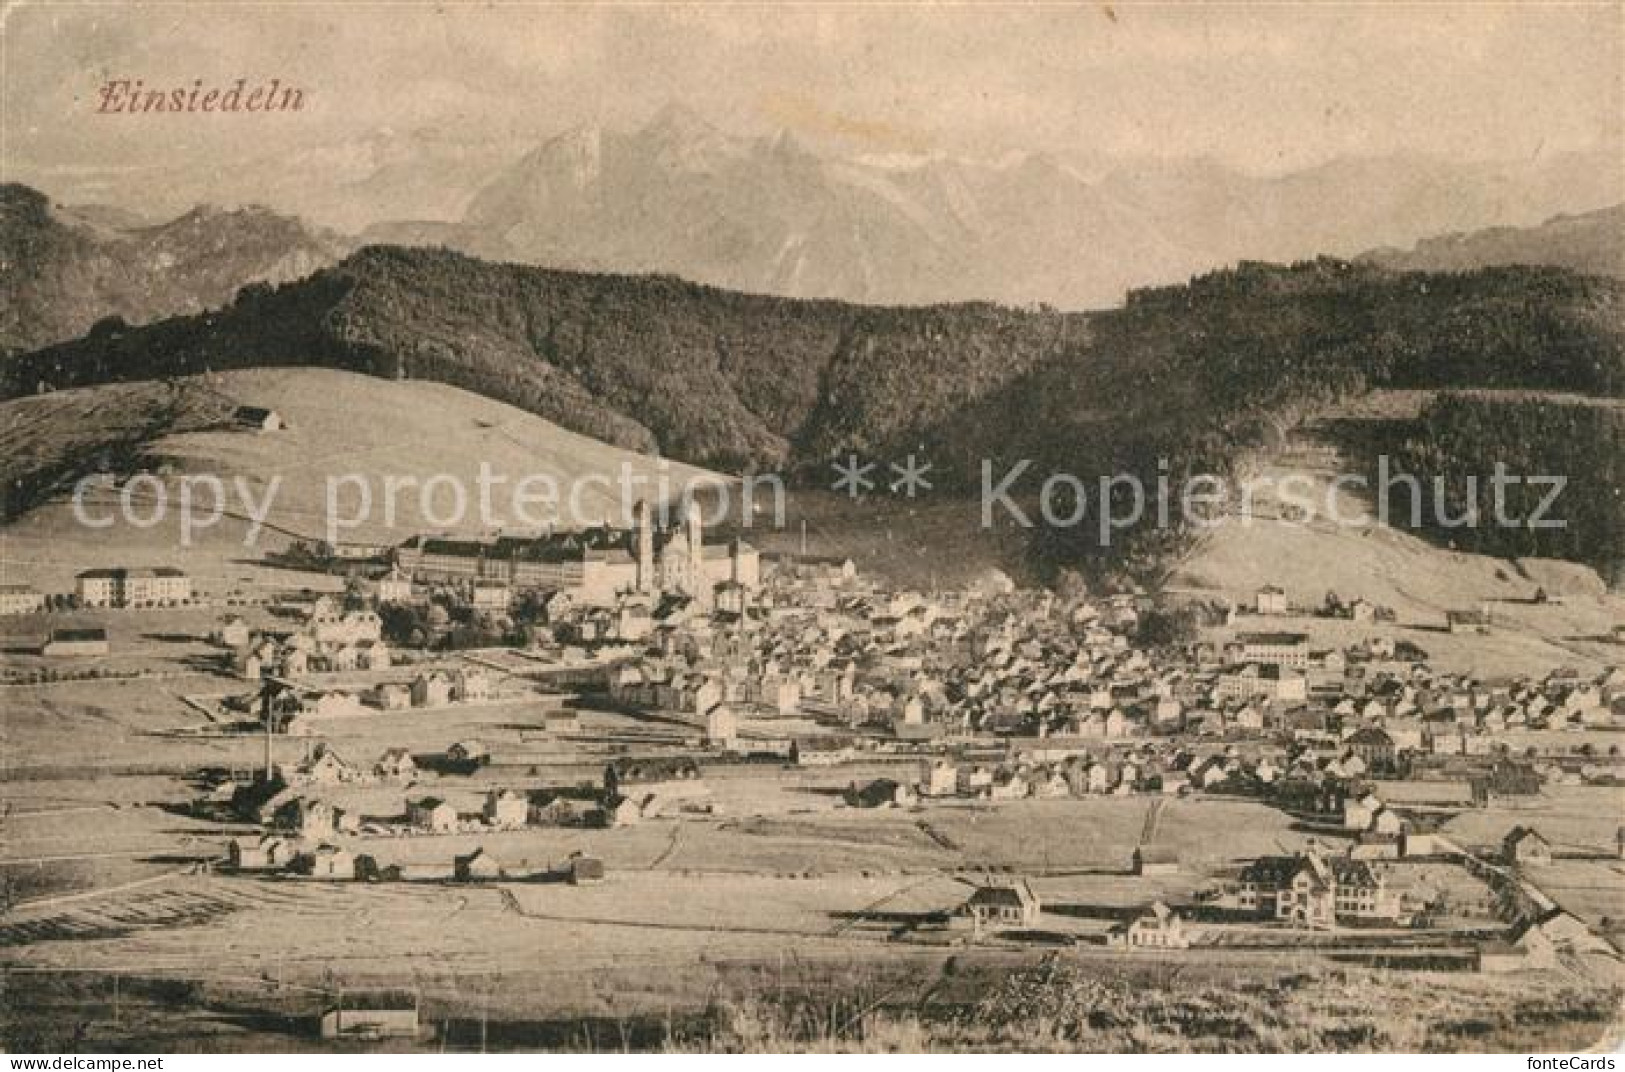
1261,88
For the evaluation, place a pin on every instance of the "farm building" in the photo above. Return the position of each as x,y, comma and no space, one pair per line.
372,1014
1155,860
506,809
258,418
585,870
264,853
468,753
880,793
432,814
71,643
1524,846
477,866
563,720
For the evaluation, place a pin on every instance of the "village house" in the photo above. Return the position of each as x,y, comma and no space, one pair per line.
307,818
939,778
477,866
1002,906
1158,927
1373,745
1272,600
722,728
432,815
489,596
469,685
322,767
263,852
1268,681
390,696
327,862
506,809
432,689
330,704
396,765
232,632
373,655
550,808
329,627
1525,847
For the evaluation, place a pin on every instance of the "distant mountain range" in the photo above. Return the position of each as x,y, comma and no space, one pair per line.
770,215
62,270
1592,242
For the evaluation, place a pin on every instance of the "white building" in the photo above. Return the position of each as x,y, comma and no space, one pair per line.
126,587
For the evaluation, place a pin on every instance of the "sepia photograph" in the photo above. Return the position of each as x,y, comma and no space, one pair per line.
662,529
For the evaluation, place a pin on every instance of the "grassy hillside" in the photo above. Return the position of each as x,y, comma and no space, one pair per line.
340,425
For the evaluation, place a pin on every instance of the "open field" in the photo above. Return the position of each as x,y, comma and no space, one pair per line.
1579,820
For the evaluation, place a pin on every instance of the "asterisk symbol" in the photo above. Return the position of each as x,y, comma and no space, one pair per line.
911,477
853,476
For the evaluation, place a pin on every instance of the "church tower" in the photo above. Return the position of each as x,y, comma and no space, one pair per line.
696,551
645,536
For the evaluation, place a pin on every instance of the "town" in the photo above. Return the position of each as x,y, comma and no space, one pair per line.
661,716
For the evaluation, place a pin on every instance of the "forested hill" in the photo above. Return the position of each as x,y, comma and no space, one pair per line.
643,362
735,381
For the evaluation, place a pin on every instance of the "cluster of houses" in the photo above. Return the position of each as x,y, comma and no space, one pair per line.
301,822
330,639
1003,695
